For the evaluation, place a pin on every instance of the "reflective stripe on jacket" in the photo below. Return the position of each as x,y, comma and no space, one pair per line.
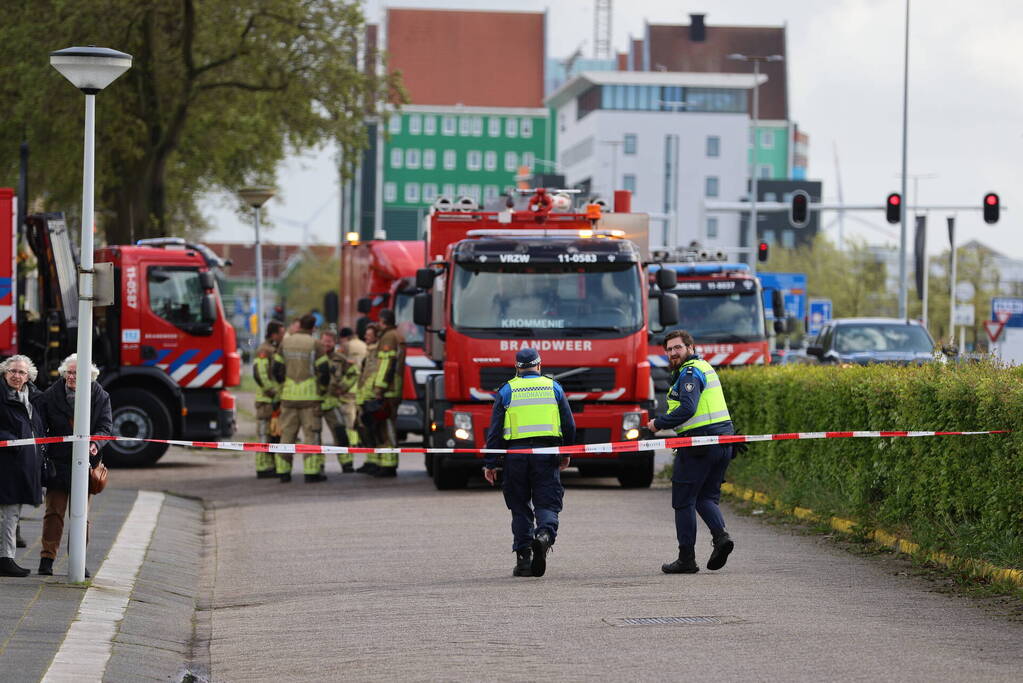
299,354
533,409
711,407
267,388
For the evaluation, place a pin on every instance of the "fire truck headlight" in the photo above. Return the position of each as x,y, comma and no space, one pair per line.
631,423
463,426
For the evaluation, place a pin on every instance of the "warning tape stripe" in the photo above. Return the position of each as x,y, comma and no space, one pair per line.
588,449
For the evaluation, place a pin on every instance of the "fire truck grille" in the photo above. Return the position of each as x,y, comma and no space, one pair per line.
591,379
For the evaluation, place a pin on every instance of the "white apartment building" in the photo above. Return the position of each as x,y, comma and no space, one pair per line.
673,139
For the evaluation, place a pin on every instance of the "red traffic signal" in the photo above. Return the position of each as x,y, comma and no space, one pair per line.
893,208
762,249
992,207
799,209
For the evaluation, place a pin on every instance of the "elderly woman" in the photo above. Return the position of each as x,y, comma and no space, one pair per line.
57,407
20,466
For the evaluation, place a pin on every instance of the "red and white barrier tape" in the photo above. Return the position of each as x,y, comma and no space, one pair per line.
591,450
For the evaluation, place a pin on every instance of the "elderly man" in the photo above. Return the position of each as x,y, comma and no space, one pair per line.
56,406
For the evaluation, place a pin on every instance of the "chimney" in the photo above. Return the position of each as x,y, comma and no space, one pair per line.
697,29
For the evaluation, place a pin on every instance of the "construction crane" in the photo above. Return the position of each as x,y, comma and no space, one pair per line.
602,29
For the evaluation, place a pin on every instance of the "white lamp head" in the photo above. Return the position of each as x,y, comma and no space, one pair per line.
91,68
256,196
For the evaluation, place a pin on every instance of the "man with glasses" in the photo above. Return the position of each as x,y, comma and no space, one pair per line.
696,407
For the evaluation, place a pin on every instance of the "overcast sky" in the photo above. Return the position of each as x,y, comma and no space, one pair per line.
845,65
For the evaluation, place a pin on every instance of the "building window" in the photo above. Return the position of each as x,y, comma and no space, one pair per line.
788,239
713,146
528,160
411,193
768,236
474,160
772,197
415,124
449,190
394,124
511,161
494,127
712,228
629,146
464,126
490,160
429,159
511,127
411,158
390,192
477,126
448,125
397,155
526,128
490,193
429,192
450,160
711,186
767,138
429,125
764,170
629,182
464,190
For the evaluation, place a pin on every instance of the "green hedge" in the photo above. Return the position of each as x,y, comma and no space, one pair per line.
960,494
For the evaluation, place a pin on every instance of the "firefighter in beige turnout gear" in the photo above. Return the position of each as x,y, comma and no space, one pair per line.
300,402
387,387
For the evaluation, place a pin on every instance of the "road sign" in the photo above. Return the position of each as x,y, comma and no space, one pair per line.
820,313
793,288
965,315
994,329
1011,305
964,290
1002,316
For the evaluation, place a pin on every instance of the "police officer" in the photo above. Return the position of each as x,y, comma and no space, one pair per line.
696,407
530,411
268,393
300,402
387,388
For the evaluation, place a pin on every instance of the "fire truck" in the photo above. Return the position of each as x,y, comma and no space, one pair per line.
721,305
165,349
379,274
570,284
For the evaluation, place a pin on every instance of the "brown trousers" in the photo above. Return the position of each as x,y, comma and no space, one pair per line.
53,522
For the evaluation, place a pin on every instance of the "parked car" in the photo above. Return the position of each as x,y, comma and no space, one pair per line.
873,340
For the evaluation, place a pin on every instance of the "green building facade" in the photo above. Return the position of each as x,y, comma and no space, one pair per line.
770,142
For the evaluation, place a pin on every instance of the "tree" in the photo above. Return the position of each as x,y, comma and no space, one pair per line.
308,280
218,93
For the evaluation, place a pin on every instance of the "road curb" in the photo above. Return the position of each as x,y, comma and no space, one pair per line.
978,568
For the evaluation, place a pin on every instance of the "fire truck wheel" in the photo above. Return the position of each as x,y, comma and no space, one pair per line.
138,414
639,473
447,478
428,461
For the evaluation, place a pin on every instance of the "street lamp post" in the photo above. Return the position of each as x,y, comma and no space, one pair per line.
90,69
756,60
256,197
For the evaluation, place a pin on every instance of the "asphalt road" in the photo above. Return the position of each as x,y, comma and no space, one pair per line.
367,579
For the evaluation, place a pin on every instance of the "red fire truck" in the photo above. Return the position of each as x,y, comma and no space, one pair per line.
165,349
379,274
571,285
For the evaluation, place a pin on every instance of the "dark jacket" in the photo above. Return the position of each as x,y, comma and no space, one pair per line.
20,466
58,415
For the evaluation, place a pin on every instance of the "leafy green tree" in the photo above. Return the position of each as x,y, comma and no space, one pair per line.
305,284
218,94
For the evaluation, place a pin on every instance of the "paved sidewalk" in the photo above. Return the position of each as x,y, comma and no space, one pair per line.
153,640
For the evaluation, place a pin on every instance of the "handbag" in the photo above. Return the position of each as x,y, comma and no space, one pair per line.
97,478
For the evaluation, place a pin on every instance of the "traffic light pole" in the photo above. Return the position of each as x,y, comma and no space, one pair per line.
903,308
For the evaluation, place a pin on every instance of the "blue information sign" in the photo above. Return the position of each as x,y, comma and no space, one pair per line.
793,288
820,313
1011,305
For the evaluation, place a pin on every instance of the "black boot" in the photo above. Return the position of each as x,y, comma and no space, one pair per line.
685,564
542,543
285,477
368,468
313,478
45,566
723,545
18,540
523,560
266,474
386,472
9,568
347,468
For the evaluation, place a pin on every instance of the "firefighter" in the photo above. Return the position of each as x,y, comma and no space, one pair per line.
330,368
530,411
344,382
696,407
300,403
363,396
387,389
268,394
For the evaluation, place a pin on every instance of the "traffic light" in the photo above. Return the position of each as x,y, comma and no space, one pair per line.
893,208
992,207
762,252
799,209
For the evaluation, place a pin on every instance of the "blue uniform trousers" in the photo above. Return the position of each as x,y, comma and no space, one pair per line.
533,492
696,488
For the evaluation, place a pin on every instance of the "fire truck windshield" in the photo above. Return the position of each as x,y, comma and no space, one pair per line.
403,318
548,300
176,294
731,317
